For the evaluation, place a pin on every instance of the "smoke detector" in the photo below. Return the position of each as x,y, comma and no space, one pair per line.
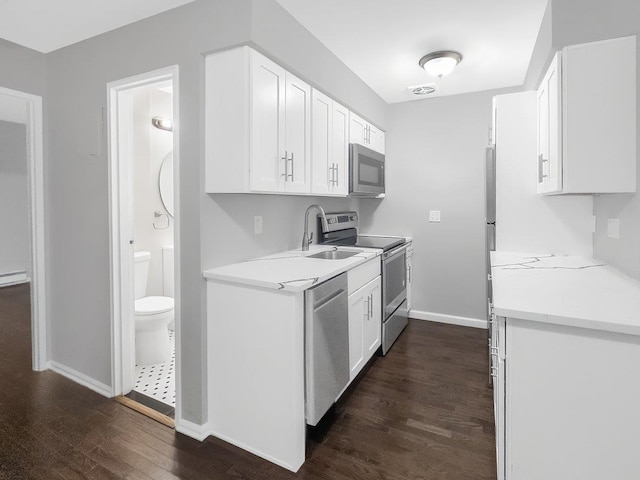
423,90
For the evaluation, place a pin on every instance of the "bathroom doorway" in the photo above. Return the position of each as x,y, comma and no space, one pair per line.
144,187
22,197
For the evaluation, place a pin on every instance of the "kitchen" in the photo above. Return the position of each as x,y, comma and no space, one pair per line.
449,258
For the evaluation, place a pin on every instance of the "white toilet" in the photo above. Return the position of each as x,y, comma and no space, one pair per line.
152,317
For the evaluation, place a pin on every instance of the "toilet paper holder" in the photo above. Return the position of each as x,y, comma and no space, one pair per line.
157,215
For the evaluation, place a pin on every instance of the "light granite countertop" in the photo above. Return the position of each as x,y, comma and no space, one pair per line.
565,290
290,271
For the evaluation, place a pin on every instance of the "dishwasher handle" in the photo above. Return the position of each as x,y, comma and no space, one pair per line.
317,305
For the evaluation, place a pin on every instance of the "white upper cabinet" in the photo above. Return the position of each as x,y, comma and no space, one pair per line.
267,151
258,126
362,132
587,120
297,135
329,146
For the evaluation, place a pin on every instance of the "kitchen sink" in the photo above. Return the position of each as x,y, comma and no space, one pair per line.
333,255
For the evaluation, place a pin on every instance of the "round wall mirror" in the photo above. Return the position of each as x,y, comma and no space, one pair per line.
166,182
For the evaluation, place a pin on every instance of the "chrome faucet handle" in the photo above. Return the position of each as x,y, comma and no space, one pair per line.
310,237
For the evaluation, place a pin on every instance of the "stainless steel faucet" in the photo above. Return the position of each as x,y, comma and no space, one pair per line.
306,238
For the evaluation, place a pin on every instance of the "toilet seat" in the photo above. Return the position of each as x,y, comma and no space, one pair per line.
153,305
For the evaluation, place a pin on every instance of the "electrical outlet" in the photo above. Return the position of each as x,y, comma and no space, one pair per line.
257,224
613,228
434,216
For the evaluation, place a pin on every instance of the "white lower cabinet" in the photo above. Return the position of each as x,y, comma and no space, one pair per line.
365,325
566,402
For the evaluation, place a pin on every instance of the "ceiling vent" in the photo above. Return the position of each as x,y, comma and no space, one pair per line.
423,90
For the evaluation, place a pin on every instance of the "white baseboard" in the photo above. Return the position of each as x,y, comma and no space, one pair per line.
81,378
14,278
193,430
450,319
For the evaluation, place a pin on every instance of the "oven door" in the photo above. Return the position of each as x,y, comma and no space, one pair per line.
394,278
367,172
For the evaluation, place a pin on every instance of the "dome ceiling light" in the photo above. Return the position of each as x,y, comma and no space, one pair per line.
440,63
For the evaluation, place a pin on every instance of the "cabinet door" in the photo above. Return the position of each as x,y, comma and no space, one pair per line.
550,131
357,309
297,135
376,139
543,137
267,163
340,149
357,129
322,171
409,273
554,144
373,318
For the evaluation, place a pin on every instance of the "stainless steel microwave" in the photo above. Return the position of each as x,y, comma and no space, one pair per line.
367,172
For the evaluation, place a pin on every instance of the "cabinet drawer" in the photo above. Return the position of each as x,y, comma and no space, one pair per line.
362,274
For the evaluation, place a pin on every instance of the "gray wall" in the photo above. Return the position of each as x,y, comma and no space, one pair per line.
580,21
15,246
542,52
214,229
22,69
436,161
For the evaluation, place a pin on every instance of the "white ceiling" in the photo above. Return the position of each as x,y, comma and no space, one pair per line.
381,41
46,25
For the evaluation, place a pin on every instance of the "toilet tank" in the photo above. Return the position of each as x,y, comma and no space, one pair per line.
167,271
141,272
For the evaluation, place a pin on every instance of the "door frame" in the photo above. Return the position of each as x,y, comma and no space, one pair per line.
35,169
119,123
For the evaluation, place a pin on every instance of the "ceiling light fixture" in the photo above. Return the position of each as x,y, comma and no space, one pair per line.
162,123
440,63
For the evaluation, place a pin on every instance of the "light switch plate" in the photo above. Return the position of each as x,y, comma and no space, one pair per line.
613,228
257,224
434,215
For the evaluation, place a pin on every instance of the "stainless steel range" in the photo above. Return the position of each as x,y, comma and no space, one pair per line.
342,229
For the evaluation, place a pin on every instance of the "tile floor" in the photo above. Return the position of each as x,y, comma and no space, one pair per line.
158,381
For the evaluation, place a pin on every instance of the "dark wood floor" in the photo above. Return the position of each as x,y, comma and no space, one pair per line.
422,412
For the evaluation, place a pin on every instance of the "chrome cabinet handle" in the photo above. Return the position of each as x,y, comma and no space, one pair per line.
371,306
336,170
366,312
286,166
292,166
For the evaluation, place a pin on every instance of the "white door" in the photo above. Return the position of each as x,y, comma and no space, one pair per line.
267,164
554,145
297,135
357,129
322,171
357,311
543,138
340,149
373,318
375,138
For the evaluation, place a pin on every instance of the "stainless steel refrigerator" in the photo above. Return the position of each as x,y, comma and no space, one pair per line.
490,218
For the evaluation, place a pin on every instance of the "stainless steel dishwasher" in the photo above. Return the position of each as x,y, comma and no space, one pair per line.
326,345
